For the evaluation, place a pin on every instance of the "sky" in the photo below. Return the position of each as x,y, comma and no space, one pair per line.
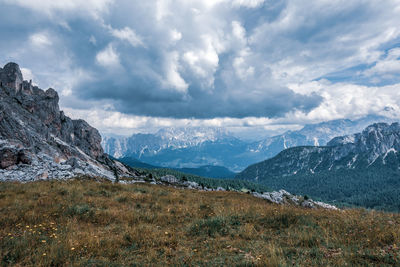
255,67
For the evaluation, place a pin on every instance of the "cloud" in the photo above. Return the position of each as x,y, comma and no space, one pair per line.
40,39
282,61
248,3
127,34
27,74
386,68
108,57
173,78
94,7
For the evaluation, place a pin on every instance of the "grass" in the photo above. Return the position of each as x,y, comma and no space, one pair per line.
88,223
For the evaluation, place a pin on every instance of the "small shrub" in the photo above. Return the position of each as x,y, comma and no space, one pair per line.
214,225
286,220
122,199
80,210
104,193
139,190
209,227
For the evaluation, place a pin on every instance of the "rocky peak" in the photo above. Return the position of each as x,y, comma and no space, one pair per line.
32,126
11,77
377,138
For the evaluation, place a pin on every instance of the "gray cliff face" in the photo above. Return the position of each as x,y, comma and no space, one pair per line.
33,131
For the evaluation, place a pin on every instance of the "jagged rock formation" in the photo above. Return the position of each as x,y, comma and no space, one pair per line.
38,141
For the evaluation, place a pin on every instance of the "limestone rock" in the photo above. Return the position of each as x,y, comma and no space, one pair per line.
169,179
285,198
8,157
33,131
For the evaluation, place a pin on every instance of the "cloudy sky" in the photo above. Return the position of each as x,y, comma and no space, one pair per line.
254,66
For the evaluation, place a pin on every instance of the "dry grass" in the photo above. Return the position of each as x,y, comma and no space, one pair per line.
86,223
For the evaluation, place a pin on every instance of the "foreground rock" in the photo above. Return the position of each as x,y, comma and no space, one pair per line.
37,140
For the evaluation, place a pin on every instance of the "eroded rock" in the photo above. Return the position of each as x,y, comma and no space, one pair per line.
31,123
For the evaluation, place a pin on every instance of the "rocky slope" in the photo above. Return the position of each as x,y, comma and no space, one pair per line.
37,140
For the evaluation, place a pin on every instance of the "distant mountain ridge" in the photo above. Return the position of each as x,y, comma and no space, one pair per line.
366,163
209,171
201,146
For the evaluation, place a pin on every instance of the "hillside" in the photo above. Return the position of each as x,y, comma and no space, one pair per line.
85,223
205,171
360,169
209,171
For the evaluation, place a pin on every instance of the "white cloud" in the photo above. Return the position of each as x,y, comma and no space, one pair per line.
344,100
129,35
204,60
40,39
27,74
390,65
173,78
248,3
238,30
242,69
108,57
175,35
93,7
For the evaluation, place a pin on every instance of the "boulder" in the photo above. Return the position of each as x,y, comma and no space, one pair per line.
169,179
8,157
24,156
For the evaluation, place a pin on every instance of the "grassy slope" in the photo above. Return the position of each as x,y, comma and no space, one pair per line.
86,223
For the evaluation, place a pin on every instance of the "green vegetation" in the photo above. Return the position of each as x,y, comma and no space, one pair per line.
230,184
89,223
373,186
370,188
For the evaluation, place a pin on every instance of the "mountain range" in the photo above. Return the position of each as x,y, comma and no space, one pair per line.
361,169
202,146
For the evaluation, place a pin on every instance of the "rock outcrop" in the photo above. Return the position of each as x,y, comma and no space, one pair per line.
280,197
283,197
37,140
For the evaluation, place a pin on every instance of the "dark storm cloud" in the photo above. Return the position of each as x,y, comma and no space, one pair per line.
193,59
